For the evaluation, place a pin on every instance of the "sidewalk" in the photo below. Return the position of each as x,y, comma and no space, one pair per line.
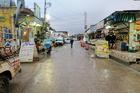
135,67
125,56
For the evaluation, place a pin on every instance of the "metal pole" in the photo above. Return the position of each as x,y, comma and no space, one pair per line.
85,20
45,9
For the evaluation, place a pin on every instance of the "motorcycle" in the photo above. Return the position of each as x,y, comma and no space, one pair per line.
48,46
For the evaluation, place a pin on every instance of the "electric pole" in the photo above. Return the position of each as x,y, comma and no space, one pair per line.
85,20
45,9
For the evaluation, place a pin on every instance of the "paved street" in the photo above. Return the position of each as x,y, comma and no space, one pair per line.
74,71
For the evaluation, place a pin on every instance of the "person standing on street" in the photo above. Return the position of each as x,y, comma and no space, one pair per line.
71,42
111,38
14,44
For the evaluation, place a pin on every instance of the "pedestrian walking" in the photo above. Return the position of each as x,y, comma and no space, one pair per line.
71,42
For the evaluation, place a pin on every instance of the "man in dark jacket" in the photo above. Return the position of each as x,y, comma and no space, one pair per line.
111,38
71,42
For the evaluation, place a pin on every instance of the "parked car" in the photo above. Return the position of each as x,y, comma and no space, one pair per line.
9,68
47,43
67,41
60,41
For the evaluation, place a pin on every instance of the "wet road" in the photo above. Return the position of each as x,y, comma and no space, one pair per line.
74,71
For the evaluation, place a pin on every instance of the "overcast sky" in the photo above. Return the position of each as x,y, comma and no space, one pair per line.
68,15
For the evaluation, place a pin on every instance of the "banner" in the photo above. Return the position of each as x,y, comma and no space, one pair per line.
28,52
6,19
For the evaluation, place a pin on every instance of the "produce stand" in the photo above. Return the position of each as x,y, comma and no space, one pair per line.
101,49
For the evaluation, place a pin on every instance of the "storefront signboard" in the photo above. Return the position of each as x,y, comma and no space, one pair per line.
27,52
134,33
102,49
137,25
5,18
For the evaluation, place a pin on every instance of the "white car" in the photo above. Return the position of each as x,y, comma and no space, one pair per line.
9,67
59,41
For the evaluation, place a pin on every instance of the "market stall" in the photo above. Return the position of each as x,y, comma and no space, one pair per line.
102,49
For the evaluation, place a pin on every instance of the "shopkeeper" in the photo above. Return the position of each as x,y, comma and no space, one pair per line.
111,38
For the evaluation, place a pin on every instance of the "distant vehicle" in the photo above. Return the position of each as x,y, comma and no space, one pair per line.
67,41
60,41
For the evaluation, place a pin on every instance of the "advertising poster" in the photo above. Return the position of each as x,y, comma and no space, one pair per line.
27,52
5,18
134,36
102,49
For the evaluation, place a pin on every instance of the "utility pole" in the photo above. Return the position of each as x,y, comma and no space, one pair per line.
22,2
85,20
45,9
46,6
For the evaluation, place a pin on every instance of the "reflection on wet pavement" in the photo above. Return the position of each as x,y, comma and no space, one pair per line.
74,71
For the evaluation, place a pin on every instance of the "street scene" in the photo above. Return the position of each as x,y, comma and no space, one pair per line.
61,46
75,71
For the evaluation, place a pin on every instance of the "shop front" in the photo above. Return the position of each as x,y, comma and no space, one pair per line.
96,40
28,25
134,37
7,30
126,28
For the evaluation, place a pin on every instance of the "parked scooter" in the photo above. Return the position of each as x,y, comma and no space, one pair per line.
47,46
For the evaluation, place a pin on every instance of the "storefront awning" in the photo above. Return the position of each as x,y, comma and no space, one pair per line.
123,16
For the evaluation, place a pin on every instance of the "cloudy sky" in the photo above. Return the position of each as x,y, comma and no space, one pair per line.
68,15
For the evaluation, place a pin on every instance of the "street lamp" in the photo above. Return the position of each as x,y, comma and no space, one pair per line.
47,17
47,5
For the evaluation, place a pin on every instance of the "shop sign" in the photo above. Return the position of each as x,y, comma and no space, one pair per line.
28,52
2,19
137,25
102,49
5,19
138,22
